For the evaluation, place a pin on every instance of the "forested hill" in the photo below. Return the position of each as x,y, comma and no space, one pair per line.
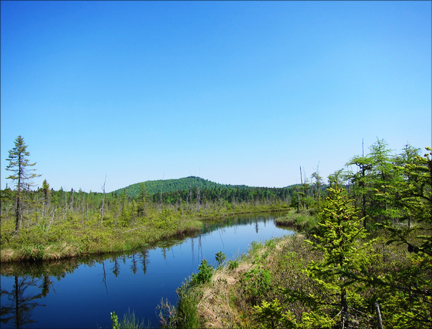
173,185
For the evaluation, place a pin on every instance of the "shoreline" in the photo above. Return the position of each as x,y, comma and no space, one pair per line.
92,239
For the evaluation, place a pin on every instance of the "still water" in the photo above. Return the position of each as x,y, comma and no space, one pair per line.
81,293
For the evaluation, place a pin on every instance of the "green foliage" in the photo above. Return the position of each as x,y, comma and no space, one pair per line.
21,174
271,315
114,321
46,190
129,321
167,315
337,237
168,185
233,264
302,220
257,282
220,258
377,173
407,290
270,244
18,163
336,281
204,275
187,308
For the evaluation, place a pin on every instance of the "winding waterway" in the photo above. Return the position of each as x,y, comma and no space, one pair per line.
81,293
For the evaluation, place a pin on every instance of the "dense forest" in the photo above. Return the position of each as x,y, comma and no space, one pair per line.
173,185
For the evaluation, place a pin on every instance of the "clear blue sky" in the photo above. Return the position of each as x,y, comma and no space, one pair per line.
235,92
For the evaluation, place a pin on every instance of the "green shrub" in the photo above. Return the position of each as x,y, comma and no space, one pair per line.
204,275
220,258
257,283
233,264
186,314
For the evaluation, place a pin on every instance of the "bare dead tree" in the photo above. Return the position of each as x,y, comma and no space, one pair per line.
65,206
160,198
298,194
103,201
87,205
378,313
198,198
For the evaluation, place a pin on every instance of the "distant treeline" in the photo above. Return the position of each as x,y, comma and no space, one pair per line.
362,177
231,195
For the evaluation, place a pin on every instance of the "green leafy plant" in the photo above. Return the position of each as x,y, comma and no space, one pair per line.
114,321
129,321
233,264
257,283
271,315
204,275
220,258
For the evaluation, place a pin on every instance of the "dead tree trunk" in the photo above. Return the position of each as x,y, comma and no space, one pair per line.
103,200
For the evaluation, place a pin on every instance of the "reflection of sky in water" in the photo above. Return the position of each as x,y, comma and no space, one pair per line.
82,299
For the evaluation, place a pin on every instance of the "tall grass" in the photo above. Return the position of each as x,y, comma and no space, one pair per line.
130,321
303,220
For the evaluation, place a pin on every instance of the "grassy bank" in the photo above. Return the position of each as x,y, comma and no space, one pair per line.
48,239
302,220
257,289
71,238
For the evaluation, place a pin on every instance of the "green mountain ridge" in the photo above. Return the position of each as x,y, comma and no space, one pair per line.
173,185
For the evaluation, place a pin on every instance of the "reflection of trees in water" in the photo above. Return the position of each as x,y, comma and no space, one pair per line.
46,283
18,311
134,266
199,248
220,235
60,268
116,268
236,221
192,249
144,260
104,277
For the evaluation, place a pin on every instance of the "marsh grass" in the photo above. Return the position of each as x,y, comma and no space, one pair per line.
303,220
71,238
130,321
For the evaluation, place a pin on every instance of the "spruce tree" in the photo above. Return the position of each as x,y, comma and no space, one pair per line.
21,175
339,237
409,301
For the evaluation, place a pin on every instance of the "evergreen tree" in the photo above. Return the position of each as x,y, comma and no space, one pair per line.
338,238
46,191
141,201
406,292
382,175
361,183
19,164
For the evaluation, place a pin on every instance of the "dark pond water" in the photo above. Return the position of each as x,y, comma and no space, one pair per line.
81,293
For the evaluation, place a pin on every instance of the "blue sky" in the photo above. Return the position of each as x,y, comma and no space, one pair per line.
234,92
